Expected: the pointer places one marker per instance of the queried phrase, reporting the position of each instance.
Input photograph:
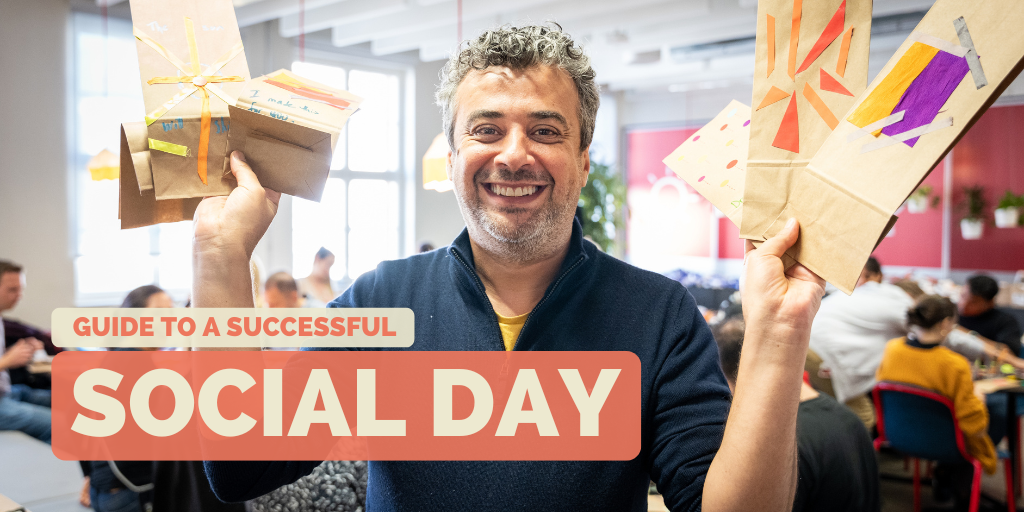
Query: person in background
(837, 466)
(281, 291)
(849, 335)
(919, 359)
(978, 313)
(426, 247)
(316, 288)
(21, 407)
(124, 486)
(11, 288)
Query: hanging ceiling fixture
(105, 165)
(435, 164)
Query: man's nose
(515, 152)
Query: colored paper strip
(771, 44)
(883, 98)
(168, 147)
(829, 83)
(875, 126)
(820, 106)
(311, 94)
(788, 136)
(972, 55)
(831, 32)
(936, 42)
(774, 95)
(844, 53)
(928, 93)
(912, 134)
(794, 37)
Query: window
(110, 262)
(359, 217)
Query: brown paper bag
(927, 96)
(138, 206)
(192, 67)
(799, 95)
(287, 127)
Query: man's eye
(487, 130)
(546, 132)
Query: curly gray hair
(519, 48)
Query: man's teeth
(513, 192)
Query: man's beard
(519, 239)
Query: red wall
(991, 154)
(916, 239)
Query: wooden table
(1012, 388)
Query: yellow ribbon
(199, 81)
(168, 147)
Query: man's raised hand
(236, 222)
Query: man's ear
(586, 167)
(448, 165)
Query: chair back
(919, 422)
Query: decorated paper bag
(287, 127)
(714, 160)
(192, 67)
(811, 60)
(957, 61)
(138, 206)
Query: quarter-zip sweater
(596, 302)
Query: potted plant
(972, 225)
(919, 201)
(1008, 210)
(601, 201)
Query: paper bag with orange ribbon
(192, 67)
(287, 126)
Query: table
(1012, 388)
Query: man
(518, 106)
(838, 470)
(978, 313)
(281, 291)
(21, 408)
(849, 335)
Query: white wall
(34, 199)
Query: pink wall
(916, 239)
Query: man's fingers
(783, 240)
(242, 172)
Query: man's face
(517, 165)
(970, 304)
(11, 284)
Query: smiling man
(518, 106)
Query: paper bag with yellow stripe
(192, 67)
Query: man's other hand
(235, 222)
(17, 355)
(776, 299)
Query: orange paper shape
(788, 136)
(794, 37)
(829, 83)
(774, 95)
(820, 106)
(771, 44)
(884, 97)
(844, 53)
(831, 32)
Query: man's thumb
(783, 240)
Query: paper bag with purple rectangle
(287, 126)
(811, 60)
(138, 205)
(957, 61)
(192, 67)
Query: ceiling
(634, 44)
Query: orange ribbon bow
(199, 81)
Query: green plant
(925, 192)
(974, 203)
(602, 202)
(1011, 200)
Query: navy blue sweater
(595, 303)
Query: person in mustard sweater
(919, 360)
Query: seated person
(12, 284)
(978, 313)
(21, 408)
(281, 291)
(838, 469)
(316, 288)
(919, 359)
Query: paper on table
(713, 160)
(287, 126)
(845, 197)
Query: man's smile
(514, 193)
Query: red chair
(922, 424)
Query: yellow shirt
(947, 373)
(510, 328)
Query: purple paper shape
(928, 93)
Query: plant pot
(917, 204)
(1007, 217)
(971, 229)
